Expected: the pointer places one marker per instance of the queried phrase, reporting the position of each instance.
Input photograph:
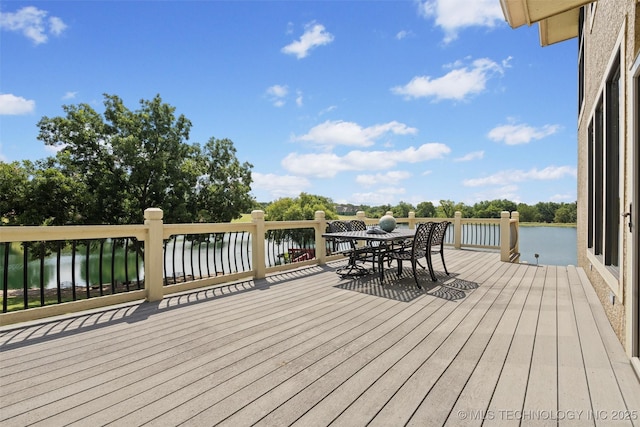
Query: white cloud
(382, 196)
(277, 94)
(513, 134)
(327, 165)
(314, 36)
(299, 99)
(32, 23)
(563, 198)
(510, 176)
(457, 84)
(70, 95)
(327, 110)
(403, 34)
(279, 185)
(331, 133)
(454, 15)
(389, 178)
(508, 192)
(470, 156)
(15, 105)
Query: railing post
(457, 230)
(505, 238)
(412, 219)
(516, 217)
(257, 245)
(154, 254)
(321, 247)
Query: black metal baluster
(165, 242)
(200, 255)
(223, 235)
(208, 241)
(193, 272)
(184, 268)
(100, 281)
(73, 270)
(137, 246)
(58, 284)
(113, 265)
(249, 241)
(25, 287)
(235, 245)
(5, 276)
(86, 269)
(215, 252)
(267, 259)
(242, 246)
(126, 263)
(173, 262)
(42, 252)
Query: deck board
(491, 343)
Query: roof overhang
(558, 19)
(559, 28)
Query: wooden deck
(501, 344)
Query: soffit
(521, 12)
(557, 19)
(559, 28)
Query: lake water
(554, 245)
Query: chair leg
(443, 264)
(415, 273)
(430, 265)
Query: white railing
(463, 233)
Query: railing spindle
(86, 267)
(5, 276)
(58, 281)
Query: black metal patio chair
(348, 247)
(436, 245)
(419, 249)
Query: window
(581, 58)
(603, 185)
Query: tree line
(305, 205)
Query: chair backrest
(358, 225)
(339, 226)
(438, 232)
(421, 238)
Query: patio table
(383, 238)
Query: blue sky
(365, 102)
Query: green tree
(567, 213)
(52, 199)
(528, 213)
(14, 181)
(225, 183)
(402, 209)
(425, 210)
(492, 208)
(547, 211)
(302, 207)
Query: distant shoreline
(548, 224)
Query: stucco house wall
(610, 26)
